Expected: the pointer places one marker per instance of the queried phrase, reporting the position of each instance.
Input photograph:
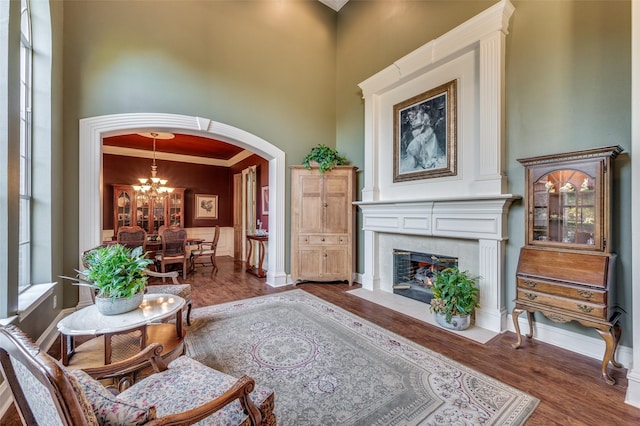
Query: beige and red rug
(330, 367)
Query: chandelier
(153, 188)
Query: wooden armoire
(322, 222)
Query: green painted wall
(568, 87)
(267, 67)
(288, 72)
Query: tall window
(26, 56)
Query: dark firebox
(413, 273)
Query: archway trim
(93, 129)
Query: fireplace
(414, 272)
(464, 215)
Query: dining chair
(181, 392)
(131, 236)
(174, 240)
(206, 250)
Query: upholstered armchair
(183, 392)
(206, 250)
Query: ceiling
(181, 144)
(335, 4)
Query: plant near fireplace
(455, 296)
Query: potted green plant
(326, 158)
(117, 274)
(455, 296)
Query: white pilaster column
(492, 313)
(371, 275)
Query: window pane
(26, 55)
(25, 212)
(24, 274)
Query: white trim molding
(633, 376)
(480, 219)
(473, 54)
(93, 129)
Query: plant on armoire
(325, 157)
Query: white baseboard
(582, 344)
(44, 341)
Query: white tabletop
(88, 321)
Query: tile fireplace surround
(464, 215)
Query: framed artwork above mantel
(424, 134)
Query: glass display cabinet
(567, 206)
(566, 269)
(123, 204)
(150, 215)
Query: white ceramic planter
(458, 322)
(111, 306)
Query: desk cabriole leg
(609, 340)
(515, 314)
(530, 321)
(617, 331)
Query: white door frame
(93, 129)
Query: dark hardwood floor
(568, 385)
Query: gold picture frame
(424, 134)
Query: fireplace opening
(414, 273)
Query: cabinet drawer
(318, 240)
(578, 306)
(573, 292)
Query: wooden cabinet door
(337, 203)
(310, 204)
(335, 259)
(175, 208)
(326, 263)
(123, 206)
(310, 262)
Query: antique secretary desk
(566, 268)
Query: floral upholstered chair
(183, 392)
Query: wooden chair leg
(189, 313)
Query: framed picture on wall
(424, 135)
(206, 206)
(265, 200)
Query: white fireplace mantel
(481, 219)
(473, 55)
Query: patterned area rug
(330, 367)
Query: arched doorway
(93, 129)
